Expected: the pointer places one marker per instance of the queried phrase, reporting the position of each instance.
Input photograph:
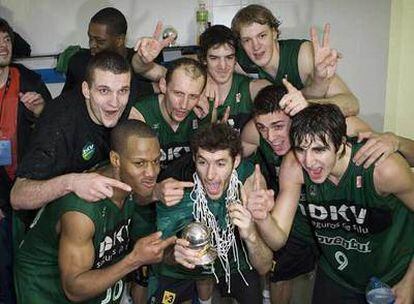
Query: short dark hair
(124, 129)
(319, 121)
(6, 28)
(254, 13)
(106, 61)
(217, 35)
(267, 100)
(113, 19)
(215, 137)
(193, 68)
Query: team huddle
(257, 139)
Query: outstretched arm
(34, 194)
(275, 222)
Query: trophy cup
(170, 32)
(199, 236)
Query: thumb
(289, 87)
(153, 237)
(167, 242)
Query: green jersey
(288, 64)
(37, 275)
(360, 233)
(173, 143)
(239, 101)
(172, 220)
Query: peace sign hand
(325, 58)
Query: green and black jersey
(288, 64)
(174, 144)
(172, 220)
(360, 233)
(37, 275)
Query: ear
(85, 90)
(114, 158)
(163, 85)
(237, 161)
(120, 41)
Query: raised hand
(325, 58)
(150, 249)
(148, 48)
(94, 187)
(170, 191)
(259, 201)
(33, 101)
(293, 101)
(376, 149)
(241, 217)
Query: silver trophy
(170, 32)
(199, 237)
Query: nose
(309, 159)
(255, 44)
(271, 135)
(184, 103)
(151, 170)
(222, 63)
(210, 172)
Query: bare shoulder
(256, 85)
(354, 125)
(250, 133)
(76, 226)
(393, 175)
(305, 61)
(135, 114)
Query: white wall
(360, 30)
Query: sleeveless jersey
(270, 167)
(172, 220)
(239, 101)
(37, 269)
(360, 233)
(173, 143)
(288, 63)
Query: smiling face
(221, 60)
(140, 164)
(182, 93)
(259, 43)
(274, 128)
(107, 96)
(5, 49)
(100, 40)
(214, 170)
(317, 158)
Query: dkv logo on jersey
(88, 151)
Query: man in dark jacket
(22, 99)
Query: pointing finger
(117, 184)
(257, 174)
